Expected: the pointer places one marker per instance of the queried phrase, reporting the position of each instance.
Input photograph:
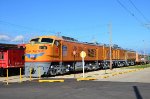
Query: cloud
(18, 38)
(4, 38)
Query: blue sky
(85, 20)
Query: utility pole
(144, 53)
(110, 45)
(58, 34)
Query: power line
(24, 27)
(146, 19)
(131, 13)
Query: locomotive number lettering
(91, 52)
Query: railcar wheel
(132, 64)
(53, 72)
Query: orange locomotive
(52, 55)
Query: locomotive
(52, 55)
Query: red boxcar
(11, 57)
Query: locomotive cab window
(56, 43)
(47, 40)
(34, 40)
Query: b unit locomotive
(52, 55)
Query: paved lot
(72, 89)
(117, 74)
(142, 76)
(130, 85)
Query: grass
(138, 66)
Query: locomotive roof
(74, 40)
(53, 37)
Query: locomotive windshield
(42, 40)
(47, 40)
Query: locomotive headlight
(68, 65)
(32, 43)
